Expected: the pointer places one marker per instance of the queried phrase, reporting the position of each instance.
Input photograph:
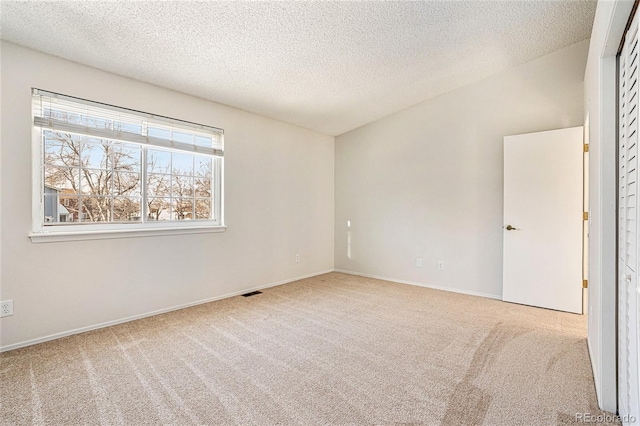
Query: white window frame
(89, 231)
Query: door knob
(511, 228)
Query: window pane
(203, 141)
(51, 208)
(96, 209)
(61, 179)
(70, 208)
(97, 122)
(96, 154)
(159, 208)
(203, 208)
(156, 132)
(182, 137)
(96, 182)
(126, 156)
(126, 209)
(62, 115)
(126, 183)
(182, 209)
(203, 165)
(61, 149)
(182, 164)
(158, 185)
(158, 161)
(182, 186)
(129, 127)
(203, 187)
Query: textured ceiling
(325, 66)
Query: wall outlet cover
(6, 308)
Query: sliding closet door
(628, 295)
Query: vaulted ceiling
(325, 66)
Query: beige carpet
(333, 349)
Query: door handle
(510, 228)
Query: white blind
(79, 116)
(628, 210)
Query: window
(104, 169)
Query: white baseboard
(435, 287)
(149, 314)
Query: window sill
(51, 237)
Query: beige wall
(427, 181)
(424, 182)
(279, 183)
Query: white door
(542, 260)
(628, 304)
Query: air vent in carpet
(253, 293)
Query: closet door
(628, 294)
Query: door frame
(600, 104)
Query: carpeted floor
(330, 350)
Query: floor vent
(253, 293)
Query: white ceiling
(325, 66)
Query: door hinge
(585, 283)
(585, 147)
(585, 215)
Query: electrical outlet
(6, 308)
(440, 265)
(297, 258)
(418, 262)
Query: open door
(543, 219)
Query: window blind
(628, 218)
(79, 116)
